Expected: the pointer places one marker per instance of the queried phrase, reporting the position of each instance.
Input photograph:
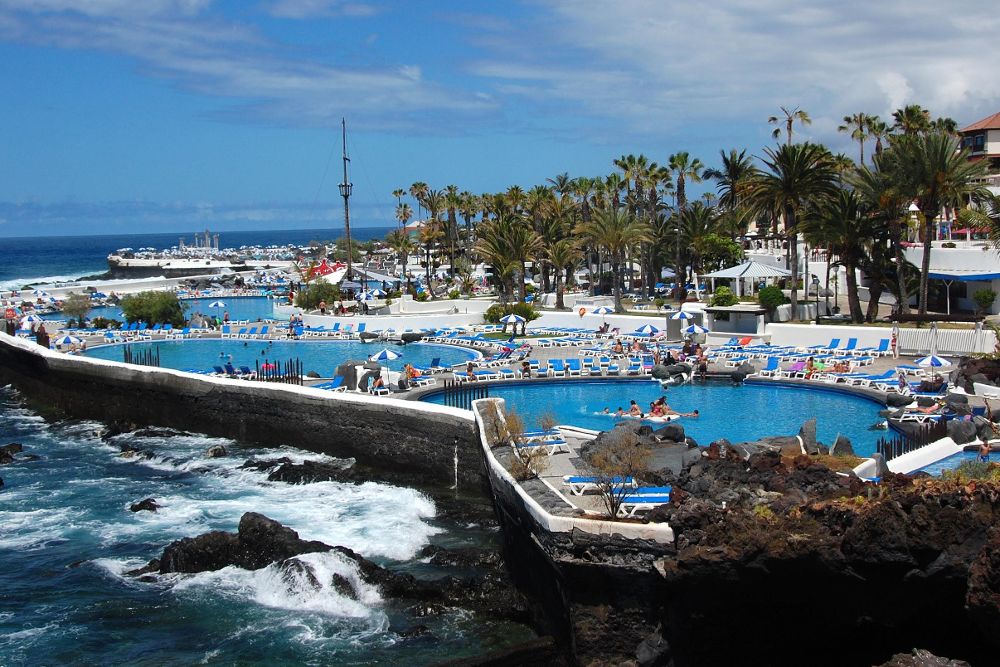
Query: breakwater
(417, 444)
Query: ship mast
(345, 191)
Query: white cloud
(181, 41)
(653, 66)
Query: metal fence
(286, 372)
(462, 394)
(922, 436)
(946, 341)
(150, 357)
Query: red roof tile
(988, 123)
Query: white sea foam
(307, 587)
(33, 529)
(46, 281)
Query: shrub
(321, 290)
(153, 307)
(496, 311)
(659, 302)
(454, 294)
(619, 455)
(771, 297)
(105, 323)
(984, 299)
(724, 297)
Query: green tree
(858, 126)
(310, 297)
(615, 230)
(839, 225)
(153, 307)
(932, 169)
(76, 305)
(911, 120)
(563, 255)
(685, 169)
(789, 117)
(723, 296)
(718, 252)
(798, 176)
(770, 298)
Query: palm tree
(696, 223)
(403, 214)
(430, 234)
(562, 184)
(911, 119)
(468, 205)
(685, 169)
(452, 203)
(401, 244)
(798, 176)
(733, 180)
(790, 116)
(399, 193)
(838, 224)
(885, 202)
(563, 255)
(945, 125)
(879, 131)
(615, 231)
(935, 172)
(418, 191)
(858, 126)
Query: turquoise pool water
(953, 462)
(251, 308)
(320, 356)
(739, 413)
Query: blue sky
(170, 115)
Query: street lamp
(677, 265)
(345, 192)
(815, 282)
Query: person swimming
(633, 409)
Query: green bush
(76, 305)
(153, 307)
(496, 311)
(454, 294)
(724, 297)
(659, 302)
(105, 323)
(984, 298)
(310, 297)
(771, 297)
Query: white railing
(946, 341)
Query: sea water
(41, 260)
(67, 537)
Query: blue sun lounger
(581, 484)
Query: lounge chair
(581, 484)
(632, 505)
(550, 447)
(848, 348)
(773, 366)
(573, 367)
(247, 373)
(792, 371)
(834, 344)
(881, 349)
(336, 384)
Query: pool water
(253, 308)
(951, 462)
(737, 413)
(320, 356)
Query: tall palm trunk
(895, 238)
(616, 267)
(430, 289)
(925, 263)
(524, 279)
(793, 259)
(560, 305)
(853, 300)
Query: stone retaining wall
(406, 441)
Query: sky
(172, 115)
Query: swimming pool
(251, 308)
(320, 356)
(737, 413)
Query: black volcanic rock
(285, 470)
(259, 542)
(147, 505)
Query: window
(979, 141)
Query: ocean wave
(43, 281)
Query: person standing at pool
(984, 451)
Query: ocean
(68, 537)
(58, 258)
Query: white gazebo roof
(750, 269)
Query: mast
(345, 191)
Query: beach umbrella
(377, 292)
(28, 320)
(68, 340)
(647, 329)
(384, 356)
(696, 329)
(40, 293)
(932, 361)
(513, 318)
(602, 310)
(217, 304)
(681, 315)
